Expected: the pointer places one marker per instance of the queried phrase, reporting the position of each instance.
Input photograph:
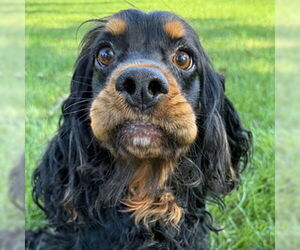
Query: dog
(145, 138)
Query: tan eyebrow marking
(116, 26)
(174, 29)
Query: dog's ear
(57, 176)
(239, 138)
(225, 145)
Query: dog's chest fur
(119, 232)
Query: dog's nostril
(155, 88)
(129, 86)
(142, 87)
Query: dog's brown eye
(182, 60)
(106, 56)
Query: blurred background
(12, 115)
(287, 125)
(239, 38)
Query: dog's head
(146, 85)
(145, 90)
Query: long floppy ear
(239, 139)
(224, 144)
(73, 145)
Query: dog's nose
(142, 87)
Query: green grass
(239, 37)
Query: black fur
(75, 164)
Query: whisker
(85, 77)
(76, 103)
(76, 111)
(81, 83)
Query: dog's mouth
(140, 139)
(140, 133)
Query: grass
(239, 37)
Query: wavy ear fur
(73, 145)
(225, 144)
(239, 139)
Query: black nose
(142, 87)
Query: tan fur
(174, 115)
(141, 202)
(174, 29)
(116, 26)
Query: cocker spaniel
(146, 137)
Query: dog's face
(146, 85)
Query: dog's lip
(141, 133)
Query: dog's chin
(141, 140)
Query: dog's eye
(106, 56)
(182, 60)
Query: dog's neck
(149, 194)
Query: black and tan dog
(146, 137)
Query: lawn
(238, 36)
